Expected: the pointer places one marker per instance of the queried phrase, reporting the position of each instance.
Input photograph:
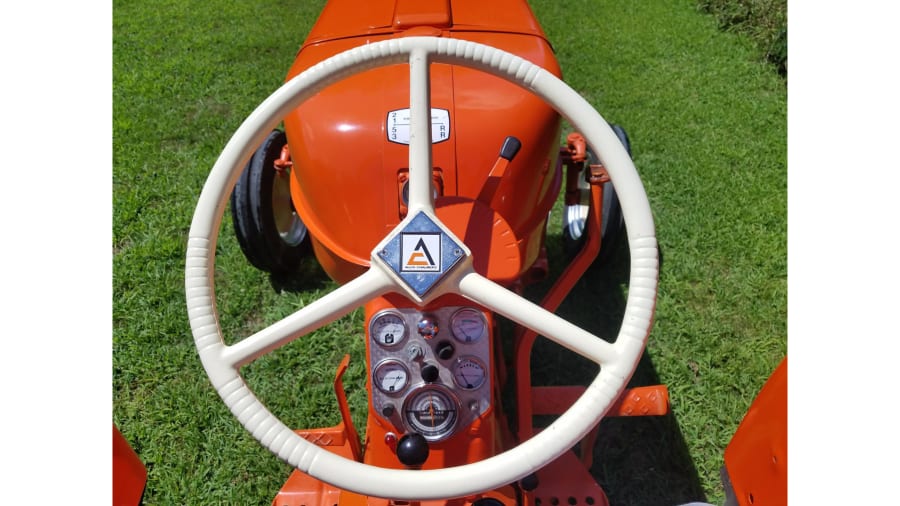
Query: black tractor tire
(271, 234)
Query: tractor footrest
(301, 489)
(639, 401)
(566, 482)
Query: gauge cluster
(430, 371)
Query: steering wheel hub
(421, 253)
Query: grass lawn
(707, 122)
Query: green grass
(707, 122)
(764, 21)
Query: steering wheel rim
(617, 360)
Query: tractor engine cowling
(349, 146)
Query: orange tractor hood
(350, 154)
(350, 18)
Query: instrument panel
(430, 371)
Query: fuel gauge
(388, 329)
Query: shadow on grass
(645, 460)
(637, 460)
(309, 275)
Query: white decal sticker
(398, 126)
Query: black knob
(510, 148)
(412, 450)
(529, 482)
(430, 373)
(387, 411)
(445, 350)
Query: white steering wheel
(617, 360)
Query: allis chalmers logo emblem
(420, 252)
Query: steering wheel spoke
(313, 316)
(493, 296)
(420, 194)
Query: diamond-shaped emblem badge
(421, 253)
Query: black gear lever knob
(412, 450)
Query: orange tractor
(419, 161)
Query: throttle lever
(509, 150)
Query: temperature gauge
(469, 373)
(388, 329)
(391, 377)
(432, 411)
(468, 325)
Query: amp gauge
(468, 325)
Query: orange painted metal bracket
(284, 162)
(524, 340)
(598, 174)
(577, 147)
(344, 407)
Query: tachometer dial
(432, 411)
(388, 329)
(468, 325)
(469, 373)
(391, 377)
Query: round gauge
(388, 329)
(391, 377)
(468, 325)
(469, 373)
(432, 411)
